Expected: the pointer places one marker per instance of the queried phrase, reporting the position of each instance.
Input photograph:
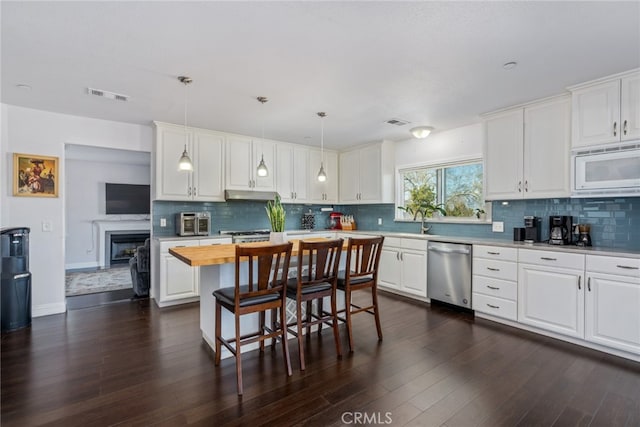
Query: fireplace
(106, 229)
(122, 246)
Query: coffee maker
(532, 229)
(584, 239)
(560, 229)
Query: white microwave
(606, 171)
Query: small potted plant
(276, 214)
(481, 214)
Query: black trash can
(15, 279)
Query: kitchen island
(217, 270)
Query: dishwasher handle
(450, 251)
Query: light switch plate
(163, 222)
(46, 226)
(497, 227)
(379, 221)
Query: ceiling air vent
(397, 122)
(107, 94)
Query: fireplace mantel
(115, 227)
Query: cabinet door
(390, 270)
(613, 311)
(284, 172)
(238, 170)
(503, 156)
(177, 279)
(267, 149)
(331, 184)
(369, 175)
(171, 184)
(414, 272)
(301, 174)
(350, 176)
(596, 110)
(208, 167)
(552, 299)
(630, 108)
(547, 143)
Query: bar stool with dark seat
(316, 279)
(361, 273)
(263, 291)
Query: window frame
(440, 165)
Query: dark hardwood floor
(133, 364)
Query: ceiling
(430, 63)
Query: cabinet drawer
(165, 245)
(218, 241)
(504, 270)
(495, 287)
(416, 244)
(392, 241)
(495, 252)
(495, 306)
(551, 258)
(614, 265)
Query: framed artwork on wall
(35, 175)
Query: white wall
(87, 170)
(455, 144)
(31, 131)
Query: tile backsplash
(614, 221)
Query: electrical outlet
(163, 222)
(379, 221)
(46, 226)
(497, 226)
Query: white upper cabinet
(367, 174)
(292, 172)
(323, 192)
(527, 151)
(607, 111)
(205, 148)
(242, 157)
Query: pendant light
(262, 170)
(322, 176)
(185, 163)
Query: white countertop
(594, 250)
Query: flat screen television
(127, 199)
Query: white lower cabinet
(551, 291)
(495, 274)
(613, 302)
(403, 266)
(173, 281)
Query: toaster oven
(193, 223)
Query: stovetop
(244, 233)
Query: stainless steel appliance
(449, 273)
(532, 229)
(560, 229)
(247, 236)
(193, 223)
(614, 170)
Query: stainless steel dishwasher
(449, 273)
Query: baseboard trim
(80, 265)
(48, 309)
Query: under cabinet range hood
(250, 195)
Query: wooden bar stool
(264, 290)
(316, 279)
(361, 273)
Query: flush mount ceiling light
(262, 168)
(322, 176)
(509, 65)
(185, 164)
(421, 132)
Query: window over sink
(432, 190)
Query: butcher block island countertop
(197, 256)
